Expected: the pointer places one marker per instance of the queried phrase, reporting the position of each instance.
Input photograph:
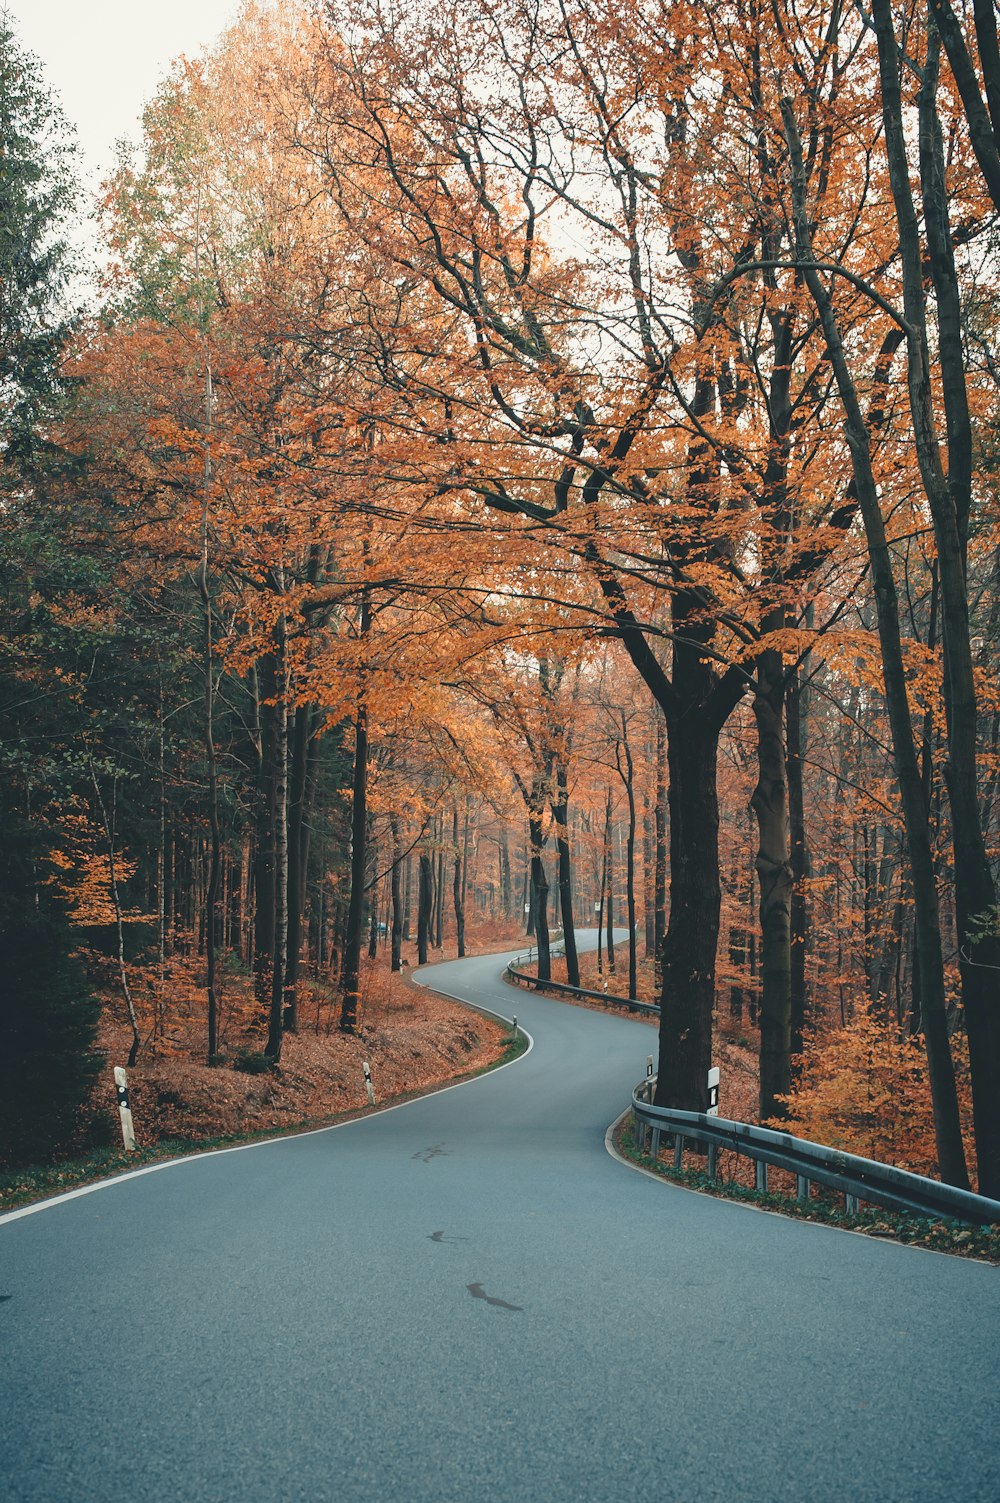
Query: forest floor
(412, 1040)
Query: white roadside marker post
(713, 1111)
(368, 1083)
(124, 1110)
(713, 1092)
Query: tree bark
(796, 730)
(560, 815)
(951, 1154)
(774, 872)
(456, 885)
(396, 896)
(425, 901)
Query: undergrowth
(939, 1235)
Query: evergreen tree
(37, 191)
(48, 1018)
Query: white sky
(103, 59)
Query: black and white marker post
(124, 1110)
(368, 1083)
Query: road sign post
(124, 1109)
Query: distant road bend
(467, 1299)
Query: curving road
(467, 1299)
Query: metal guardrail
(857, 1178)
(525, 978)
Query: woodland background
(532, 464)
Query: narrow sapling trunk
(609, 897)
(396, 897)
(353, 938)
(425, 901)
(276, 1024)
(456, 885)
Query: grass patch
(939, 1235)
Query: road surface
(466, 1298)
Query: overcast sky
(105, 58)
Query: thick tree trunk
(660, 814)
(688, 994)
(774, 872)
(540, 898)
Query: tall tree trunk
(947, 1126)
(263, 869)
(976, 911)
(396, 897)
(796, 729)
(506, 886)
(660, 815)
(408, 897)
(439, 896)
(774, 871)
(301, 791)
(540, 898)
(628, 779)
(609, 880)
(212, 899)
(279, 960)
(456, 885)
(560, 815)
(688, 993)
(425, 902)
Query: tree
(37, 193)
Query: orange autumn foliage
(864, 1088)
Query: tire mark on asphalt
(477, 1291)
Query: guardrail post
(760, 1176)
(678, 1151)
(713, 1159)
(802, 1187)
(654, 1143)
(851, 1205)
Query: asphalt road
(467, 1299)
